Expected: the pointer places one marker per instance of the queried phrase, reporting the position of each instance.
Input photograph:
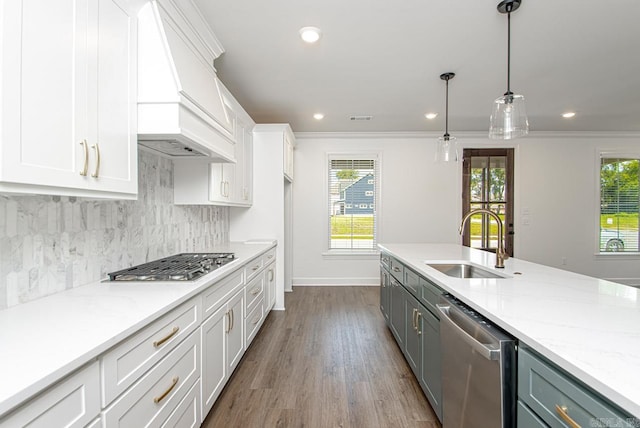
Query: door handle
(481, 348)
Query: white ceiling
(384, 58)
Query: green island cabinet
(408, 304)
(550, 397)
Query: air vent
(361, 117)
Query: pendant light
(509, 118)
(446, 148)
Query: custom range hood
(181, 104)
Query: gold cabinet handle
(228, 315)
(413, 319)
(255, 291)
(255, 268)
(160, 397)
(255, 320)
(222, 188)
(270, 256)
(83, 143)
(272, 275)
(227, 186)
(174, 330)
(396, 269)
(233, 320)
(563, 413)
(418, 315)
(97, 170)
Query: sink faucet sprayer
(501, 254)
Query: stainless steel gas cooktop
(181, 267)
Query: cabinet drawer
(74, 402)
(154, 397)
(269, 256)
(216, 295)
(253, 268)
(411, 281)
(528, 419)
(187, 414)
(385, 260)
(253, 321)
(124, 364)
(396, 269)
(548, 392)
(253, 292)
(430, 295)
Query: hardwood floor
(327, 361)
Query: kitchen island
(588, 327)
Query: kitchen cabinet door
(430, 377)
(68, 98)
(214, 358)
(398, 320)
(235, 331)
(385, 290)
(270, 286)
(413, 343)
(222, 182)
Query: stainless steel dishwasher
(478, 369)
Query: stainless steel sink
(463, 270)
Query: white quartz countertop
(44, 340)
(588, 326)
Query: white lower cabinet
(270, 286)
(151, 400)
(170, 372)
(222, 348)
(187, 414)
(73, 402)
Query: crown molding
(465, 135)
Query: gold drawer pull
(83, 143)
(270, 256)
(96, 172)
(255, 268)
(255, 291)
(271, 275)
(255, 320)
(160, 397)
(157, 343)
(563, 412)
(396, 269)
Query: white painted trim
(335, 282)
(463, 135)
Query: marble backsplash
(52, 243)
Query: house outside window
(619, 204)
(352, 201)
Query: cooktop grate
(180, 267)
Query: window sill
(623, 255)
(351, 255)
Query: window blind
(619, 204)
(352, 202)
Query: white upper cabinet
(199, 182)
(68, 94)
(180, 98)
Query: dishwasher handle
(483, 349)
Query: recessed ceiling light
(310, 34)
(318, 116)
(568, 114)
(431, 116)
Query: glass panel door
(488, 184)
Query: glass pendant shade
(509, 118)
(446, 149)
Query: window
(619, 207)
(352, 196)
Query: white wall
(555, 183)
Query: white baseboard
(335, 282)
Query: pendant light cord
(446, 114)
(509, 50)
